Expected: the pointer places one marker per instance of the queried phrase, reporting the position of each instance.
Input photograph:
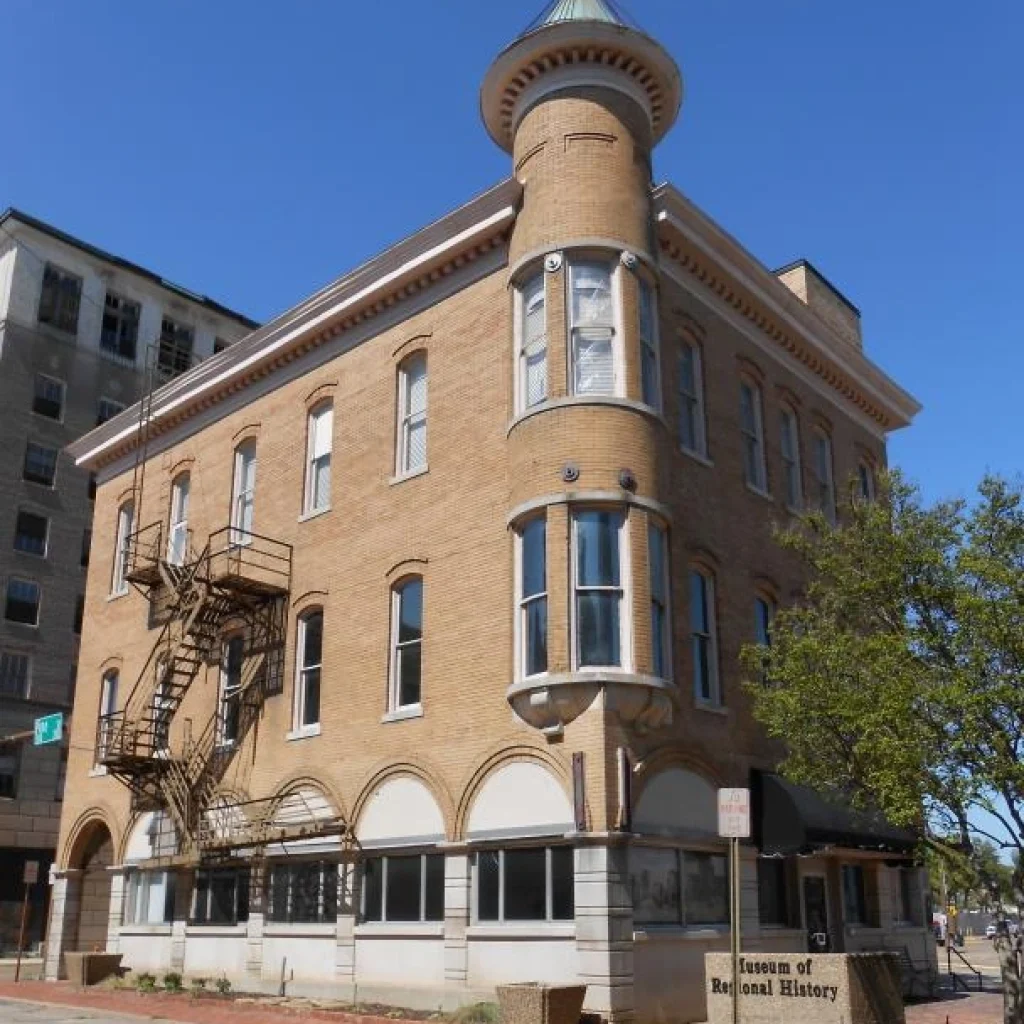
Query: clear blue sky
(256, 150)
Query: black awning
(797, 819)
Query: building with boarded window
(76, 325)
(412, 668)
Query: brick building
(413, 666)
(74, 327)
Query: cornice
(700, 250)
(412, 266)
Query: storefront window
(221, 896)
(304, 893)
(403, 888)
(681, 887)
(531, 884)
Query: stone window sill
(515, 931)
(217, 930)
(304, 732)
(400, 929)
(400, 478)
(402, 714)
(314, 513)
(690, 453)
(760, 492)
(715, 709)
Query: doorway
(815, 907)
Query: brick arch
(419, 770)
(84, 829)
(310, 599)
(497, 759)
(324, 391)
(414, 565)
(417, 343)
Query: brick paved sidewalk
(976, 1008)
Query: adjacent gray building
(77, 327)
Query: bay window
(533, 598)
(592, 328)
(532, 342)
(648, 318)
(404, 888)
(598, 584)
(525, 884)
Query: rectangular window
(764, 612)
(599, 587)
(525, 884)
(854, 901)
(107, 409)
(692, 437)
(22, 604)
(30, 533)
(13, 674)
(48, 398)
(310, 646)
(123, 547)
(592, 328)
(908, 896)
(149, 897)
(108, 709)
(825, 495)
(177, 535)
(318, 458)
(680, 887)
(174, 353)
(533, 342)
(705, 889)
(86, 548)
(40, 466)
(533, 598)
(772, 891)
(243, 500)
(704, 639)
(76, 624)
(790, 444)
(219, 344)
(412, 404)
(751, 428)
(865, 482)
(649, 378)
(406, 643)
(232, 662)
(60, 298)
(221, 896)
(10, 769)
(661, 643)
(305, 892)
(120, 332)
(403, 888)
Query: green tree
(898, 679)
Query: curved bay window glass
(592, 327)
(407, 643)
(533, 598)
(533, 342)
(599, 588)
(648, 303)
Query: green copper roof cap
(582, 10)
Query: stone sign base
(824, 988)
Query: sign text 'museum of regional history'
(755, 981)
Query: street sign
(734, 813)
(49, 729)
(31, 875)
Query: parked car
(990, 931)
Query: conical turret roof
(582, 10)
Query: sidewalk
(976, 1008)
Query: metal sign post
(30, 877)
(734, 825)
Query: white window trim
(710, 596)
(519, 626)
(828, 481)
(122, 549)
(402, 469)
(384, 858)
(109, 684)
(789, 416)
(701, 451)
(518, 338)
(222, 689)
(309, 506)
(241, 537)
(652, 344)
(624, 589)
(500, 921)
(618, 357)
(299, 700)
(757, 398)
(660, 528)
(181, 488)
(397, 711)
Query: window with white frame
(704, 638)
(678, 887)
(598, 623)
(10, 769)
(243, 497)
(221, 896)
(764, 612)
(406, 888)
(752, 430)
(303, 892)
(658, 565)
(177, 534)
(22, 602)
(120, 332)
(592, 328)
(108, 711)
(692, 435)
(14, 674)
(532, 341)
(789, 438)
(40, 465)
(230, 711)
(309, 644)
(533, 597)
(60, 299)
(318, 458)
(149, 897)
(525, 884)
(48, 398)
(412, 414)
(824, 485)
(122, 549)
(649, 362)
(865, 481)
(406, 643)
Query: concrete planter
(536, 1003)
(91, 968)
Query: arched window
(824, 486)
(752, 430)
(177, 534)
(764, 613)
(789, 441)
(532, 598)
(704, 638)
(319, 443)
(309, 661)
(692, 434)
(122, 549)
(412, 415)
(406, 644)
(865, 481)
(243, 493)
(532, 341)
(107, 713)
